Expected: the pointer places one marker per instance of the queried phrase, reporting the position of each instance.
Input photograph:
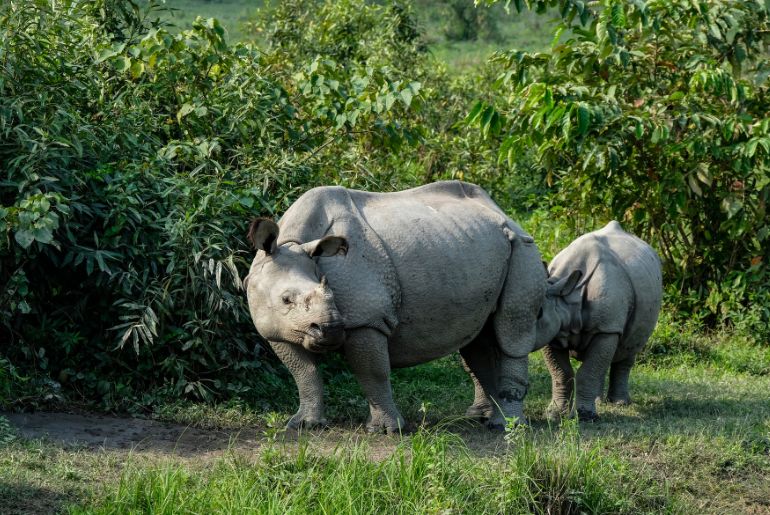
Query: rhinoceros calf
(394, 280)
(601, 306)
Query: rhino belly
(451, 260)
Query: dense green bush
(654, 113)
(132, 160)
(358, 35)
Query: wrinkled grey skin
(411, 276)
(602, 303)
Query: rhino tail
(513, 237)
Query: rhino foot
(555, 412)
(585, 415)
(302, 421)
(620, 400)
(382, 423)
(479, 411)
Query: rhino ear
(263, 234)
(326, 246)
(563, 287)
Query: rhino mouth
(324, 337)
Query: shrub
(133, 158)
(653, 113)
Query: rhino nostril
(316, 330)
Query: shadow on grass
(18, 498)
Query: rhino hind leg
(592, 373)
(619, 372)
(479, 361)
(481, 408)
(366, 350)
(562, 382)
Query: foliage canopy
(654, 113)
(132, 157)
(132, 160)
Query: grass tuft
(429, 472)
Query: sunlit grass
(426, 473)
(525, 31)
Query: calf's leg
(562, 381)
(591, 374)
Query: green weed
(426, 473)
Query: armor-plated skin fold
(602, 304)
(423, 272)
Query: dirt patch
(93, 431)
(137, 435)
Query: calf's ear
(326, 246)
(263, 234)
(563, 287)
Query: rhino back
(643, 267)
(451, 256)
(624, 286)
(425, 266)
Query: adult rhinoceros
(397, 279)
(601, 307)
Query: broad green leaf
(184, 111)
(24, 238)
(122, 63)
(406, 97)
(105, 54)
(390, 98)
(137, 69)
(704, 174)
(694, 186)
(657, 134)
(584, 118)
(474, 113)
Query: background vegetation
(136, 142)
(134, 152)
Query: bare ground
(70, 456)
(130, 434)
(105, 432)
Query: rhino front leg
(562, 381)
(366, 350)
(591, 374)
(619, 371)
(303, 367)
(515, 331)
(513, 383)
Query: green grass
(525, 31)
(426, 473)
(696, 439)
(233, 14)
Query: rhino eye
(540, 313)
